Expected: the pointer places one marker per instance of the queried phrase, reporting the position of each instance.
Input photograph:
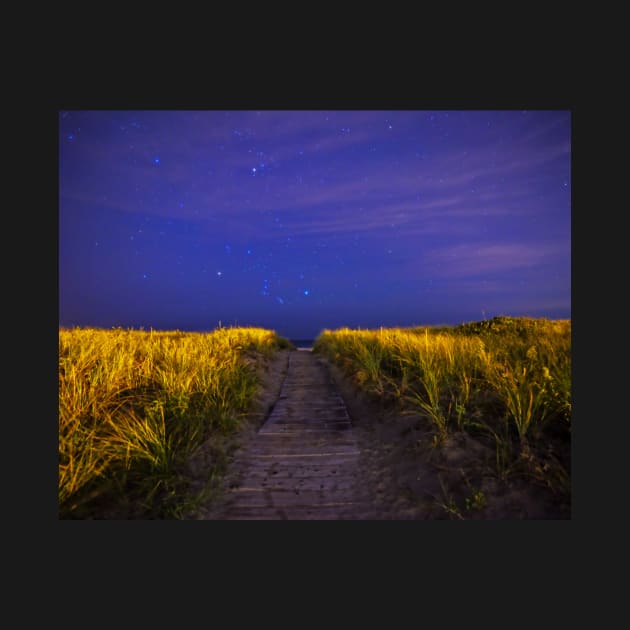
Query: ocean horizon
(302, 343)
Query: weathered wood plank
(302, 464)
(320, 513)
(312, 484)
(320, 474)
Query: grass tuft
(506, 381)
(135, 406)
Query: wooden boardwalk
(303, 462)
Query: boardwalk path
(303, 462)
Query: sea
(303, 344)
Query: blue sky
(303, 220)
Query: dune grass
(135, 406)
(505, 381)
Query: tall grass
(436, 372)
(508, 378)
(134, 407)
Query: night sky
(303, 220)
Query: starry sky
(302, 220)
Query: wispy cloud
(452, 191)
(476, 259)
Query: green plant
(447, 503)
(476, 501)
(428, 400)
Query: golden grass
(507, 377)
(135, 405)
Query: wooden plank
(302, 463)
(325, 431)
(256, 476)
(310, 513)
(251, 486)
(289, 456)
(297, 497)
(297, 444)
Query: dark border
(442, 551)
